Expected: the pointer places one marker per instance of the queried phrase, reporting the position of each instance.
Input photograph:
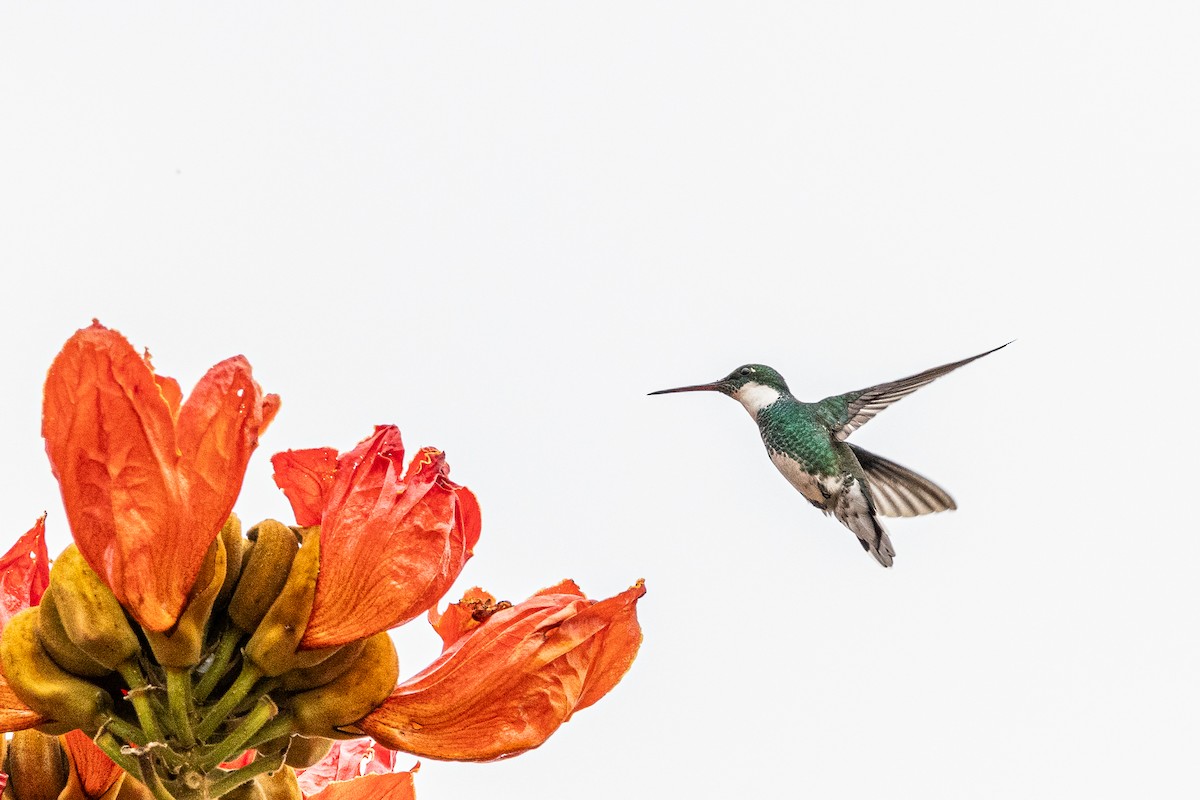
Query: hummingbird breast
(802, 449)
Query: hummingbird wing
(848, 412)
(898, 491)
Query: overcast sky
(499, 225)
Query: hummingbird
(807, 443)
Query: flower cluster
(170, 654)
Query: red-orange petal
(24, 572)
(146, 482)
(390, 548)
(508, 685)
(618, 637)
(218, 430)
(95, 772)
(111, 441)
(305, 476)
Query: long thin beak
(702, 387)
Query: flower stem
(229, 701)
(231, 780)
(150, 777)
(235, 742)
(125, 730)
(179, 705)
(138, 688)
(281, 725)
(112, 748)
(220, 663)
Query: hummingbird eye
(746, 370)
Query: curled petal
(506, 686)
(460, 618)
(147, 482)
(390, 546)
(24, 572)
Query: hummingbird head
(755, 386)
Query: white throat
(755, 396)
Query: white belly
(805, 482)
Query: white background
(499, 225)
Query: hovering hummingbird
(807, 443)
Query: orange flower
(147, 480)
(503, 686)
(390, 547)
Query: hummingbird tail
(881, 548)
(855, 510)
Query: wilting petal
(390, 547)
(147, 483)
(460, 618)
(507, 685)
(24, 572)
(15, 715)
(397, 786)
(344, 761)
(92, 772)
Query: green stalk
(220, 663)
(179, 705)
(262, 689)
(280, 726)
(112, 748)
(235, 742)
(231, 780)
(125, 730)
(229, 701)
(150, 777)
(138, 689)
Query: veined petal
(92, 772)
(506, 686)
(390, 547)
(24, 572)
(145, 499)
(111, 442)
